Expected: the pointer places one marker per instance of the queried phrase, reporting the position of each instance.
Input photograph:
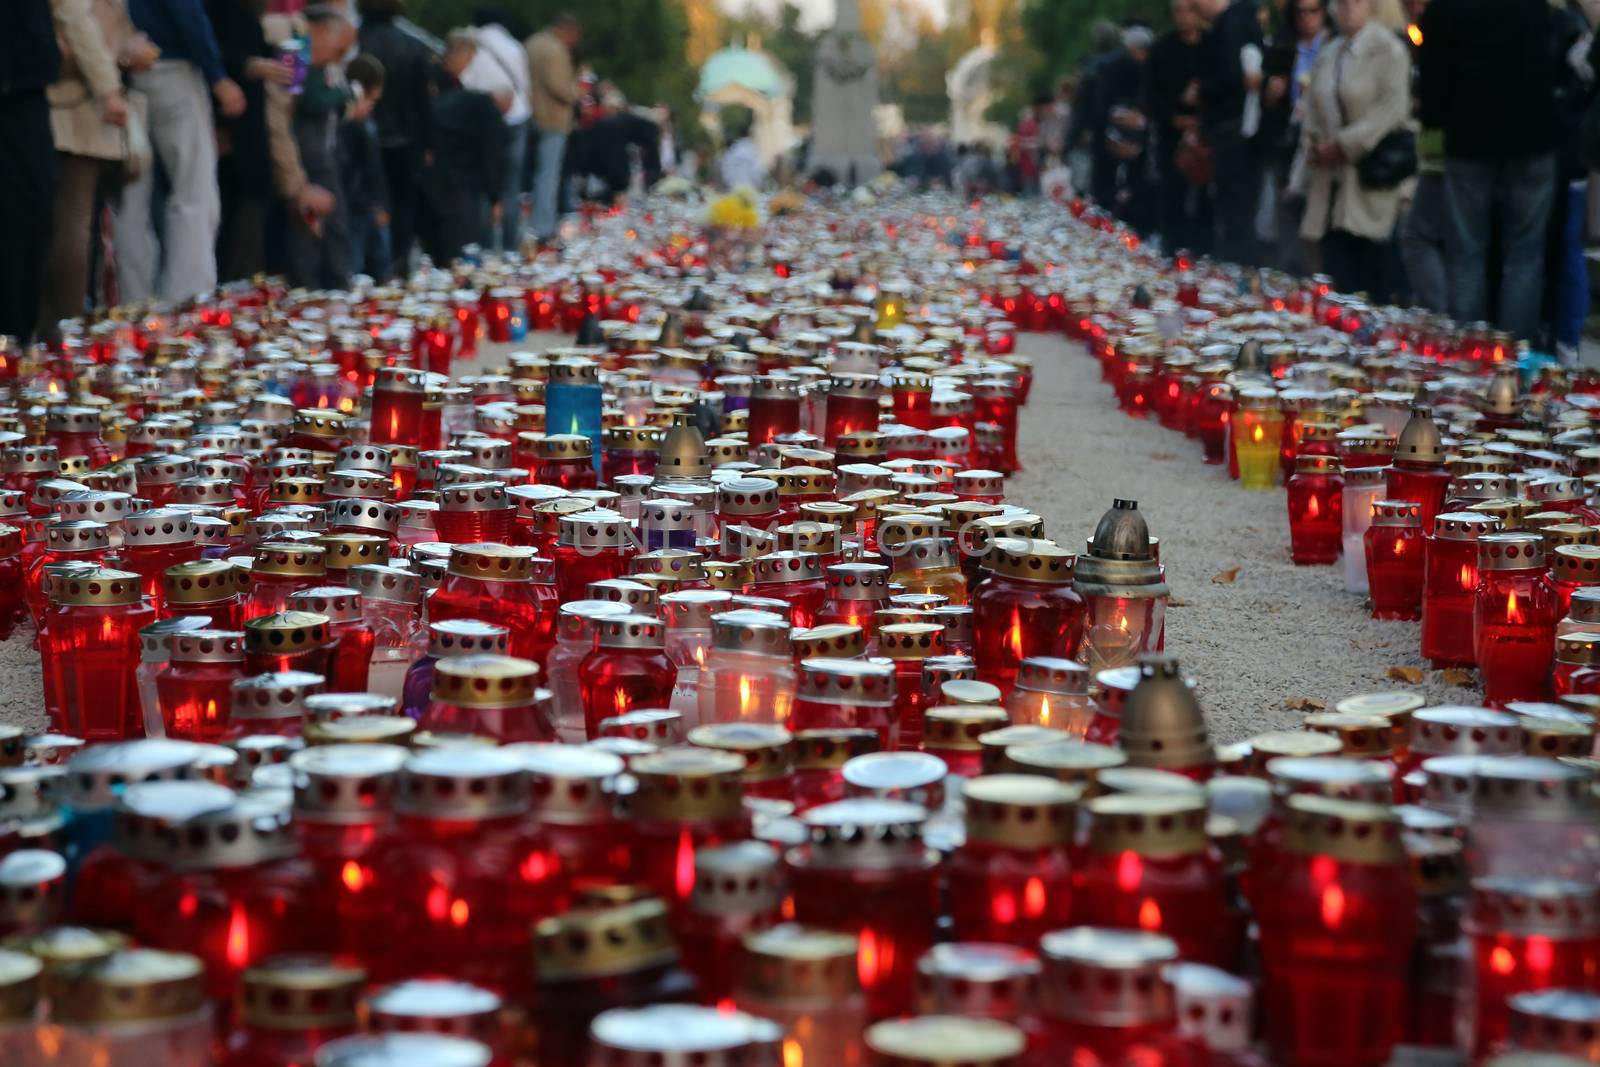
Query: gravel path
(1277, 631)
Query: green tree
(1042, 41)
(781, 37)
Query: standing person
(501, 65)
(1289, 59)
(29, 63)
(554, 94)
(179, 89)
(1566, 302)
(319, 243)
(1173, 101)
(245, 172)
(1359, 94)
(1230, 105)
(1425, 224)
(1488, 82)
(89, 120)
(401, 116)
(365, 193)
(465, 172)
(617, 137)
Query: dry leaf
(1177, 602)
(1305, 704)
(1404, 674)
(1226, 577)
(1362, 644)
(1457, 676)
(1163, 455)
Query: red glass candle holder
(351, 660)
(1151, 867)
(492, 583)
(912, 393)
(13, 605)
(847, 694)
(195, 689)
(90, 654)
(592, 547)
(1316, 525)
(1336, 935)
(1106, 999)
(1513, 618)
(460, 881)
(1573, 567)
(212, 588)
(1418, 473)
(687, 799)
(1011, 880)
(866, 872)
(1394, 546)
(630, 450)
(279, 570)
(272, 703)
(627, 670)
(774, 409)
(819, 759)
(475, 513)
(1525, 934)
(397, 398)
(738, 891)
(1026, 608)
(487, 696)
(567, 461)
(79, 541)
(1450, 582)
(852, 406)
(586, 842)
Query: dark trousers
(400, 169)
(1356, 264)
(1184, 212)
(242, 235)
(66, 270)
(27, 184)
(449, 217)
(1237, 178)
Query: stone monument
(844, 134)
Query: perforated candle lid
(946, 1041)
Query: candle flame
(1044, 710)
(1033, 898)
(619, 697)
(1130, 871)
(536, 868)
(460, 912)
(1468, 576)
(1014, 636)
(871, 958)
(1149, 915)
(353, 877)
(1314, 507)
(1539, 957)
(1501, 961)
(793, 1054)
(237, 950)
(683, 866)
(1257, 434)
(1332, 907)
(1003, 908)
(1414, 33)
(744, 696)
(1514, 613)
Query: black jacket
(408, 70)
(237, 25)
(1222, 77)
(1169, 70)
(29, 59)
(468, 143)
(1487, 78)
(608, 157)
(360, 169)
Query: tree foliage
(1042, 41)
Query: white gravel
(1277, 631)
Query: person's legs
(1572, 284)
(66, 268)
(511, 198)
(1528, 190)
(1469, 199)
(547, 183)
(26, 177)
(1237, 177)
(182, 135)
(1422, 236)
(132, 228)
(400, 170)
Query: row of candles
(708, 664)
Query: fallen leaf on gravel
(1457, 676)
(1163, 455)
(1227, 577)
(1404, 674)
(1363, 644)
(1177, 602)
(1305, 704)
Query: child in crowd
(365, 190)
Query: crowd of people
(155, 148)
(1424, 151)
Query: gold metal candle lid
(1510, 551)
(911, 641)
(1518, 907)
(1420, 441)
(1107, 977)
(1402, 513)
(1511, 511)
(836, 640)
(485, 681)
(766, 748)
(21, 981)
(99, 587)
(611, 941)
(1463, 525)
(491, 562)
(688, 784)
(571, 784)
(1553, 738)
(1020, 810)
(132, 985)
(1333, 776)
(958, 727)
(377, 582)
(1578, 564)
(1555, 1021)
(1269, 746)
(342, 551)
(1148, 824)
(1580, 649)
(945, 1041)
(1073, 762)
(296, 490)
(595, 529)
(1162, 723)
(1032, 560)
(1345, 830)
(741, 879)
(795, 963)
(1363, 736)
(831, 748)
(286, 632)
(300, 993)
(289, 560)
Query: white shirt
(741, 165)
(500, 66)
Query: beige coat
(1374, 98)
(554, 82)
(94, 35)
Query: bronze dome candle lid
(1120, 560)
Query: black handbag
(1391, 161)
